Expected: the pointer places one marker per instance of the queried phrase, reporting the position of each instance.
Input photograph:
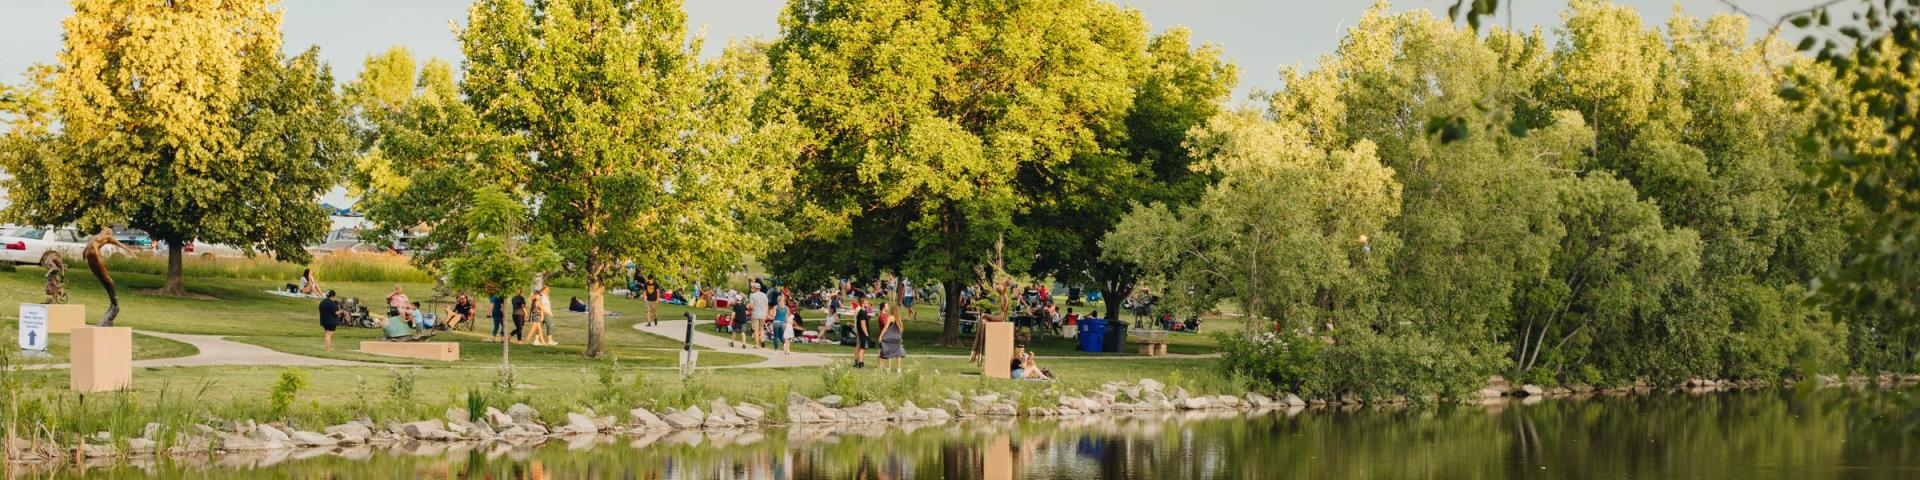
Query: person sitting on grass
(420, 320)
(575, 305)
(1024, 368)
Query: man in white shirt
(758, 304)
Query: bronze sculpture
(56, 278)
(99, 267)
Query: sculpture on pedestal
(99, 267)
(56, 278)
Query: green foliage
(336, 267)
(287, 390)
(400, 383)
(181, 120)
(1859, 91)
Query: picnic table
(1152, 342)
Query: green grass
(351, 267)
(58, 345)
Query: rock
(460, 428)
(750, 412)
(720, 407)
(352, 433)
(1226, 401)
(457, 415)
(695, 414)
(1195, 403)
(141, 446)
(522, 413)
(1532, 390)
(605, 422)
(498, 418)
(1153, 396)
(1180, 394)
(423, 430)
(97, 451)
(151, 432)
(579, 423)
(802, 415)
(311, 439)
(646, 419)
(1491, 393)
(266, 433)
(1150, 385)
(832, 401)
(1256, 400)
(938, 415)
(797, 399)
(953, 405)
(1292, 400)
(681, 421)
(237, 443)
(535, 429)
(1003, 410)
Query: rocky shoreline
(520, 424)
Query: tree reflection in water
(1751, 435)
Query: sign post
(33, 329)
(688, 357)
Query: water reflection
(1754, 435)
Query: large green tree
(630, 147)
(184, 120)
(921, 115)
(1177, 87)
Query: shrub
(292, 380)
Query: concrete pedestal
(102, 359)
(62, 318)
(997, 344)
(996, 462)
(442, 351)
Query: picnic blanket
(288, 294)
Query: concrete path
(677, 330)
(217, 350)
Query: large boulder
(349, 432)
(1151, 385)
(682, 421)
(695, 414)
(141, 446)
(266, 433)
(1532, 390)
(750, 412)
(311, 439)
(833, 401)
(646, 419)
(719, 407)
(457, 415)
(1292, 400)
(1195, 403)
(1003, 409)
(522, 413)
(424, 430)
(578, 423)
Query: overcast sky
(1259, 36)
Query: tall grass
(338, 267)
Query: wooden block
(61, 318)
(101, 358)
(998, 339)
(442, 351)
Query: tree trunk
(176, 251)
(1111, 297)
(596, 310)
(950, 331)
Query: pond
(1797, 434)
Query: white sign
(33, 326)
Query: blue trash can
(1092, 332)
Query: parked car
(135, 239)
(28, 245)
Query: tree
(920, 116)
(633, 149)
(1176, 89)
(183, 120)
(1282, 232)
(1860, 92)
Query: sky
(1259, 36)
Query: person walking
(738, 327)
(781, 327)
(906, 298)
(499, 317)
(544, 302)
(862, 333)
(652, 288)
(329, 317)
(758, 303)
(892, 339)
(519, 317)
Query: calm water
(1755, 435)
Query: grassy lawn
(243, 311)
(144, 347)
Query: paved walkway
(677, 330)
(217, 350)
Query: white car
(28, 245)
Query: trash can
(1114, 337)
(1090, 333)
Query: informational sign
(33, 326)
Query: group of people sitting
(532, 320)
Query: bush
(1362, 363)
(292, 380)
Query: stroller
(353, 314)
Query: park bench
(1152, 342)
